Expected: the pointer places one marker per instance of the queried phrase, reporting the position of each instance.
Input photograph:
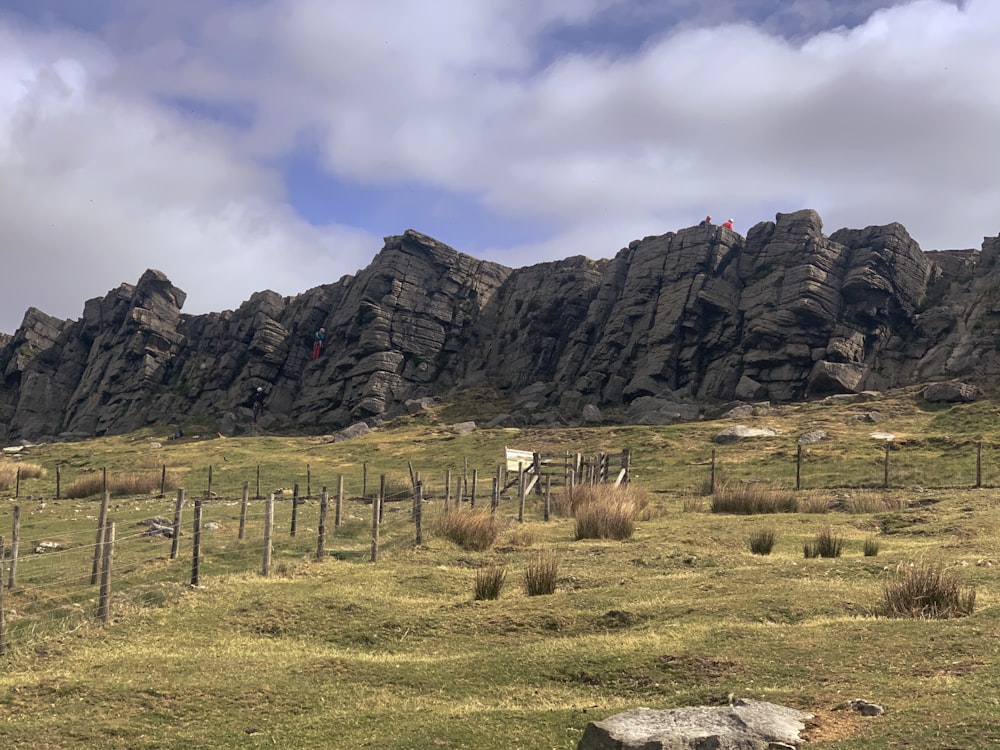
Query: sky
(243, 145)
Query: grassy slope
(341, 653)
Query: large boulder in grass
(950, 392)
(739, 432)
(745, 725)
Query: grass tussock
(753, 498)
(474, 529)
(608, 512)
(9, 472)
(489, 582)
(825, 544)
(814, 504)
(871, 547)
(870, 501)
(925, 591)
(762, 541)
(541, 573)
(123, 484)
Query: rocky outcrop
(669, 324)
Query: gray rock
(865, 708)
(739, 432)
(950, 392)
(745, 725)
(813, 436)
(686, 318)
(749, 389)
(464, 428)
(356, 430)
(591, 415)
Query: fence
(68, 562)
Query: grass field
(339, 652)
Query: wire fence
(56, 557)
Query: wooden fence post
(295, 510)
(447, 490)
(175, 540)
(418, 512)
(626, 466)
(107, 555)
(376, 509)
(208, 492)
(536, 464)
(3, 621)
(885, 479)
(258, 482)
(102, 517)
(104, 484)
(364, 480)
(798, 468)
(548, 498)
(572, 484)
(520, 493)
(321, 544)
(979, 465)
(196, 552)
(308, 482)
(265, 569)
(381, 497)
(243, 511)
(475, 486)
(495, 499)
(17, 483)
(338, 510)
(15, 544)
(163, 481)
(58, 482)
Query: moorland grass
(12, 471)
(342, 652)
(470, 528)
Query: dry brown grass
(752, 498)
(9, 471)
(470, 528)
(925, 591)
(489, 582)
(609, 512)
(541, 574)
(122, 483)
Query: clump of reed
(825, 544)
(925, 591)
(489, 582)
(474, 529)
(541, 573)
(752, 498)
(122, 484)
(762, 541)
(608, 512)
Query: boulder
(950, 392)
(464, 428)
(749, 389)
(739, 432)
(744, 725)
(356, 430)
(591, 415)
(812, 436)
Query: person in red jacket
(728, 223)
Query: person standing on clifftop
(706, 222)
(728, 223)
(318, 343)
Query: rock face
(746, 725)
(669, 324)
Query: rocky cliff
(669, 324)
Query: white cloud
(96, 188)
(891, 120)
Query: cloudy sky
(240, 145)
